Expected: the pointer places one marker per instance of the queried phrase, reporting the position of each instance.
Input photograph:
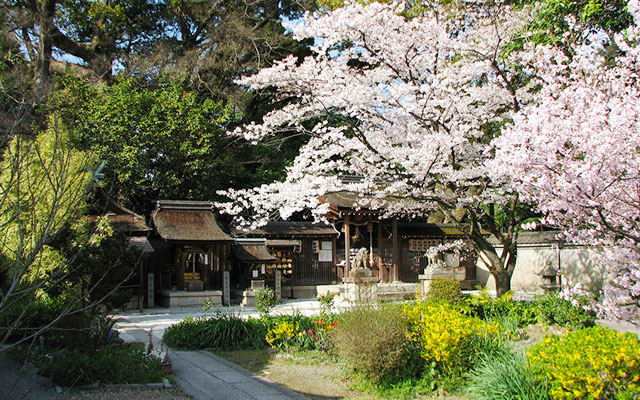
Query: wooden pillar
(396, 249)
(370, 230)
(205, 269)
(334, 256)
(381, 268)
(181, 257)
(141, 281)
(347, 247)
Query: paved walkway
(200, 373)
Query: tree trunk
(45, 46)
(503, 282)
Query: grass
(314, 374)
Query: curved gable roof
(185, 221)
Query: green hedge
(114, 364)
(224, 331)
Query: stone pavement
(199, 373)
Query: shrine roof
(187, 221)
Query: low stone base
(361, 288)
(248, 298)
(181, 298)
(456, 273)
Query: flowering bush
(592, 363)
(287, 334)
(445, 334)
(282, 334)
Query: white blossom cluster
(402, 102)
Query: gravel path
(128, 394)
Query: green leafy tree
(163, 142)
(43, 186)
(95, 33)
(213, 43)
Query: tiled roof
(186, 221)
(407, 230)
(289, 229)
(253, 253)
(122, 219)
(532, 238)
(142, 243)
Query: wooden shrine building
(191, 251)
(396, 250)
(305, 252)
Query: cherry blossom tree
(408, 104)
(575, 153)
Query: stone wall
(576, 263)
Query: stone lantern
(549, 278)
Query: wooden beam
(334, 256)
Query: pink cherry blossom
(575, 153)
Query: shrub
(114, 364)
(31, 314)
(589, 363)
(304, 321)
(301, 333)
(224, 331)
(373, 341)
(446, 336)
(265, 300)
(282, 334)
(505, 376)
(553, 310)
(518, 313)
(326, 301)
(446, 289)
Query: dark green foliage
(30, 315)
(224, 331)
(548, 309)
(505, 376)
(373, 341)
(522, 313)
(164, 142)
(100, 259)
(551, 23)
(553, 310)
(446, 289)
(265, 300)
(108, 364)
(157, 143)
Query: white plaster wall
(576, 263)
